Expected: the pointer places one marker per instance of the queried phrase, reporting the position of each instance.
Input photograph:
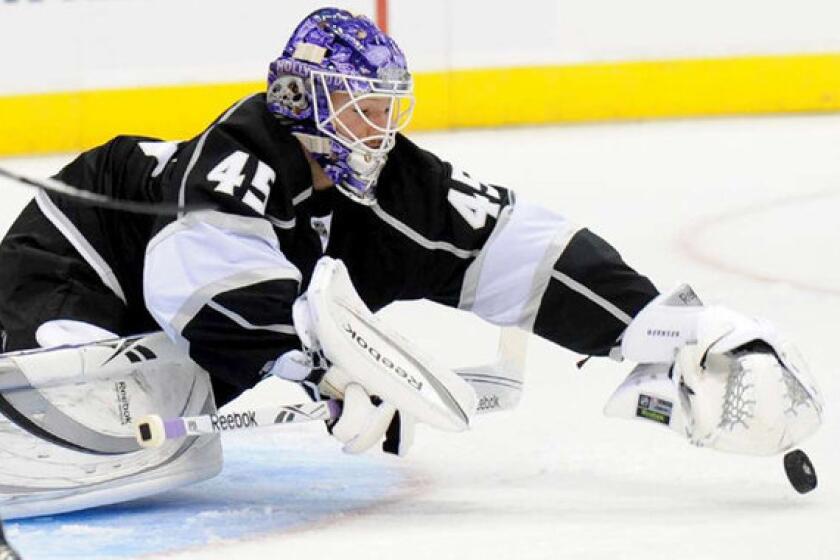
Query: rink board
(454, 99)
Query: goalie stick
(103, 201)
(153, 431)
(498, 386)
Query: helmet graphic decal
(346, 86)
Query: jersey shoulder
(246, 161)
(409, 163)
(438, 197)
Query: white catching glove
(744, 389)
(364, 420)
(721, 379)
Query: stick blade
(498, 385)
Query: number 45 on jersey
(229, 174)
(473, 200)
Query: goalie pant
(223, 281)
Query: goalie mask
(345, 85)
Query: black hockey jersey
(222, 281)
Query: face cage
(400, 96)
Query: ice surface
(268, 485)
(744, 209)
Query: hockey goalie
(302, 211)
(70, 413)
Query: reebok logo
(124, 412)
(235, 421)
(488, 402)
(139, 353)
(383, 360)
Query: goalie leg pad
(66, 432)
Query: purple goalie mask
(345, 85)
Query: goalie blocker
(387, 384)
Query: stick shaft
(153, 431)
(253, 418)
(246, 419)
(103, 201)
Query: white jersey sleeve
(545, 274)
(214, 276)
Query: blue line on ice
(264, 488)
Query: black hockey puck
(800, 471)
